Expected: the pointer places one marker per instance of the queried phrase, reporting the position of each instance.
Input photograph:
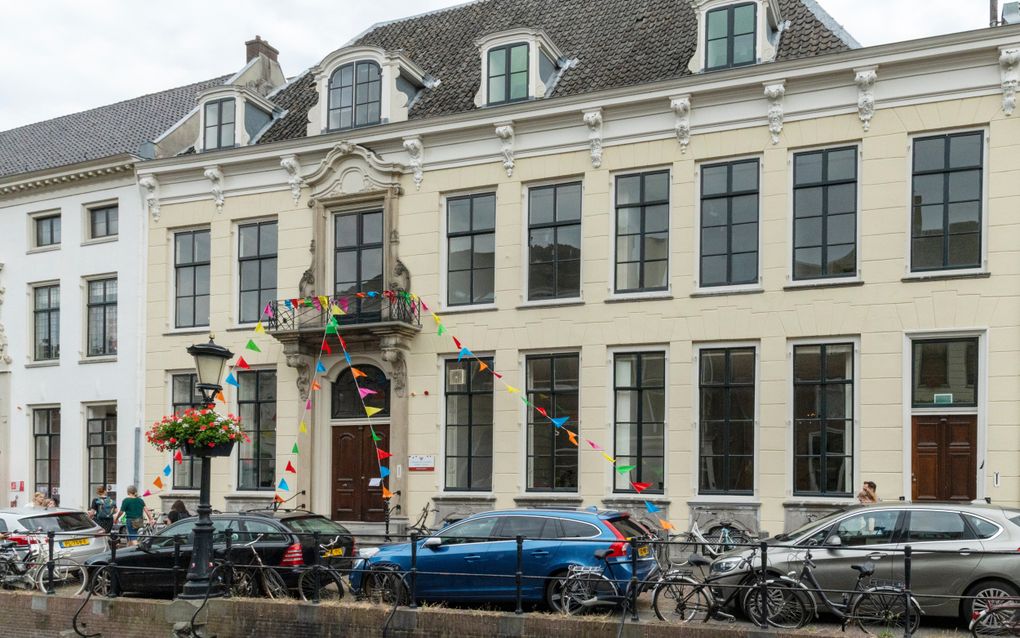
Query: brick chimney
(252, 48)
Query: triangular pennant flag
(650, 506)
(439, 321)
(595, 446)
(325, 345)
(241, 363)
(268, 310)
(382, 454)
(357, 373)
(146, 493)
(512, 389)
(294, 450)
(308, 404)
(541, 411)
(376, 436)
(665, 524)
(316, 386)
(231, 380)
(641, 487)
(369, 410)
(167, 470)
(422, 302)
(337, 310)
(572, 437)
(158, 483)
(364, 392)
(259, 329)
(464, 352)
(456, 342)
(277, 498)
(558, 422)
(386, 493)
(289, 304)
(290, 468)
(608, 458)
(344, 304)
(384, 471)
(347, 358)
(330, 330)
(623, 469)
(343, 344)
(179, 457)
(295, 302)
(302, 428)
(497, 375)
(220, 397)
(441, 330)
(359, 295)
(283, 485)
(254, 347)
(324, 301)
(307, 301)
(319, 368)
(482, 366)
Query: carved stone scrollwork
(302, 365)
(349, 169)
(1009, 68)
(681, 107)
(865, 81)
(505, 132)
(290, 164)
(415, 150)
(393, 349)
(150, 185)
(215, 177)
(774, 93)
(593, 120)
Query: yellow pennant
(512, 390)
(369, 410)
(336, 310)
(436, 317)
(324, 301)
(302, 428)
(259, 329)
(608, 458)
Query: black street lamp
(210, 360)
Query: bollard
(763, 585)
(49, 563)
(518, 574)
(228, 566)
(414, 571)
(633, 581)
(114, 584)
(315, 568)
(907, 551)
(177, 560)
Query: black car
(285, 542)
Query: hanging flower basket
(197, 432)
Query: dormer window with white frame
(355, 95)
(517, 65)
(218, 124)
(735, 33)
(232, 115)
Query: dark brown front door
(355, 463)
(945, 457)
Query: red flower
(173, 440)
(191, 441)
(212, 444)
(232, 436)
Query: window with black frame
(468, 426)
(355, 96)
(102, 317)
(471, 249)
(642, 232)
(729, 223)
(639, 423)
(946, 202)
(508, 73)
(825, 213)
(47, 231)
(358, 263)
(256, 404)
(726, 420)
(554, 241)
(46, 435)
(104, 221)
(347, 401)
(46, 324)
(552, 385)
(823, 425)
(101, 428)
(184, 395)
(730, 36)
(191, 278)
(219, 124)
(257, 264)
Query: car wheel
(101, 581)
(980, 595)
(554, 591)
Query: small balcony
(380, 314)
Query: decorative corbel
(865, 80)
(290, 164)
(774, 92)
(393, 350)
(415, 151)
(681, 107)
(150, 185)
(215, 175)
(593, 120)
(505, 132)
(1009, 68)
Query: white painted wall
(70, 383)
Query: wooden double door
(355, 463)
(944, 458)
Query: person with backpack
(135, 512)
(102, 508)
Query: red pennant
(343, 344)
(542, 411)
(456, 342)
(497, 375)
(326, 348)
(241, 363)
(296, 302)
(383, 454)
(278, 498)
(359, 295)
(179, 457)
(290, 468)
(641, 487)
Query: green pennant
(294, 449)
(441, 330)
(623, 469)
(307, 301)
(376, 437)
(253, 346)
(330, 329)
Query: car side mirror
(432, 542)
(145, 544)
(834, 541)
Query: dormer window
(508, 73)
(355, 95)
(730, 37)
(219, 124)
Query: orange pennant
(572, 437)
(482, 367)
(220, 397)
(386, 493)
(316, 386)
(357, 373)
(158, 483)
(665, 524)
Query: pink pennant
(422, 302)
(268, 311)
(315, 302)
(146, 493)
(594, 445)
(308, 404)
(364, 392)
(343, 303)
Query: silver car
(948, 542)
(75, 534)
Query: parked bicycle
(28, 568)
(420, 526)
(596, 590)
(254, 578)
(326, 582)
(1000, 618)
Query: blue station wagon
(475, 559)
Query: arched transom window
(346, 402)
(355, 95)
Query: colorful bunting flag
(344, 304)
(482, 366)
(512, 389)
(541, 411)
(497, 375)
(324, 301)
(179, 457)
(220, 397)
(254, 347)
(316, 386)
(302, 428)
(357, 373)
(347, 358)
(325, 346)
(259, 330)
(268, 310)
(277, 498)
(558, 422)
(641, 487)
(241, 363)
(289, 304)
(294, 450)
(438, 321)
(231, 380)
(456, 342)
(369, 410)
(290, 468)
(464, 352)
(608, 458)
(666, 525)
(330, 329)
(337, 310)
(441, 330)
(364, 392)
(623, 469)
(595, 446)
(167, 470)
(572, 437)
(376, 436)
(319, 368)
(308, 404)
(384, 471)
(283, 485)
(146, 493)
(650, 506)
(158, 483)
(382, 454)
(386, 493)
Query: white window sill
(706, 500)
(103, 359)
(42, 249)
(728, 290)
(939, 275)
(452, 310)
(100, 240)
(243, 327)
(552, 303)
(49, 363)
(186, 331)
(651, 295)
(823, 283)
(793, 500)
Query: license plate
(75, 542)
(336, 551)
(642, 551)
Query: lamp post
(210, 360)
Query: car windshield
(63, 522)
(807, 527)
(628, 528)
(312, 524)
(1013, 516)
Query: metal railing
(313, 313)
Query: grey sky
(63, 56)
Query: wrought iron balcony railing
(358, 310)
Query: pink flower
(232, 436)
(212, 445)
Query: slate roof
(616, 43)
(101, 132)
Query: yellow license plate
(75, 542)
(330, 553)
(642, 551)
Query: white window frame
(33, 239)
(611, 294)
(86, 236)
(526, 247)
(766, 22)
(444, 252)
(538, 42)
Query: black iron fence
(313, 313)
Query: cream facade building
(762, 280)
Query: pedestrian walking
(135, 514)
(102, 508)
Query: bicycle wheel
(680, 599)
(881, 609)
(385, 585)
(786, 606)
(244, 580)
(588, 594)
(68, 576)
(330, 586)
(272, 584)
(997, 620)
(681, 548)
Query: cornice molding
(681, 107)
(505, 132)
(865, 78)
(593, 120)
(57, 180)
(774, 92)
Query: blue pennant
(560, 421)
(650, 506)
(348, 357)
(232, 381)
(321, 369)
(167, 470)
(384, 471)
(464, 352)
(283, 485)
